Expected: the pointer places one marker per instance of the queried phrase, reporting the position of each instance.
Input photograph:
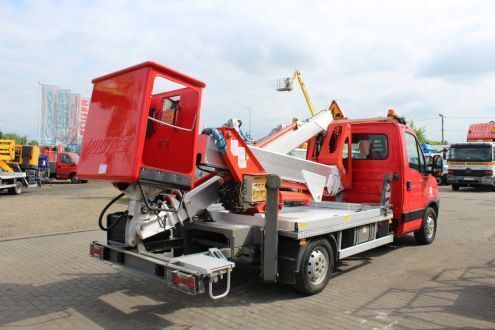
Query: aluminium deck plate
(307, 221)
(12, 175)
(204, 263)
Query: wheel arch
(290, 254)
(435, 205)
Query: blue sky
(420, 58)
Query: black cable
(100, 219)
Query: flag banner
(73, 118)
(83, 116)
(48, 129)
(61, 115)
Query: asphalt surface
(48, 281)
(57, 207)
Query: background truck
(363, 182)
(60, 165)
(18, 167)
(473, 163)
(430, 153)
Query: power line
(470, 117)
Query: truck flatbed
(306, 221)
(12, 175)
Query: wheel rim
(317, 266)
(430, 226)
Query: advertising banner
(83, 117)
(73, 118)
(63, 116)
(48, 129)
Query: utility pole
(249, 121)
(442, 117)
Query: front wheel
(315, 268)
(426, 234)
(17, 190)
(455, 187)
(74, 178)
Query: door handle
(408, 185)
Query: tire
(444, 179)
(17, 190)
(315, 268)
(426, 234)
(455, 187)
(439, 180)
(74, 179)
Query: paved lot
(50, 282)
(57, 207)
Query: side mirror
(436, 164)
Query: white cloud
(421, 58)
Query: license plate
(469, 179)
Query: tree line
(19, 139)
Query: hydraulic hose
(100, 219)
(218, 137)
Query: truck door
(64, 166)
(415, 181)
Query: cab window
(368, 146)
(65, 159)
(414, 154)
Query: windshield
(471, 153)
(75, 157)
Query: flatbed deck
(12, 175)
(307, 221)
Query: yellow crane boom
(285, 85)
(7, 154)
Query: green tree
(420, 131)
(19, 139)
(434, 143)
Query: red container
(122, 145)
(482, 132)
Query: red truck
(380, 146)
(61, 165)
(363, 183)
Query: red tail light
(97, 251)
(183, 282)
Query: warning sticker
(241, 160)
(234, 147)
(102, 169)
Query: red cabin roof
(481, 132)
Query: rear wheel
(455, 187)
(426, 234)
(74, 178)
(17, 190)
(316, 267)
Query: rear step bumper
(192, 274)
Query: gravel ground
(57, 207)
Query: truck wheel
(444, 179)
(426, 234)
(455, 187)
(439, 180)
(316, 267)
(17, 190)
(74, 179)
